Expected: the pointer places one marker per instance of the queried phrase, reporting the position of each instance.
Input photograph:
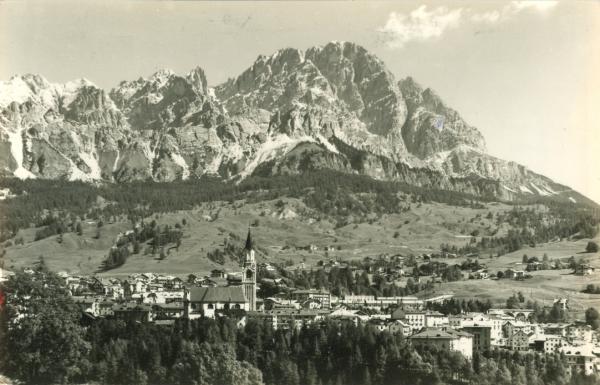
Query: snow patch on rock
(178, 159)
(509, 189)
(439, 158)
(16, 149)
(330, 146)
(539, 190)
(211, 93)
(92, 163)
(14, 90)
(275, 146)
(287, 214)
(76, 173)
(525, 189)
(114, 167)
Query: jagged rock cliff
(335, 107)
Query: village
(163, 299)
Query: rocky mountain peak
(411, 90)
(363, 82)
(334, 106)
(197, 77)
(431, 126)
(29, 87)
(161, 77)
(284, 59)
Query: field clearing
(420, 230)
(544, 286)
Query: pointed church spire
(249, 243)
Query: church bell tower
(249, 273)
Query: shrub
(592, 247)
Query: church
(206, 301)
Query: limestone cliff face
(432, 127)
(364, 84)
(331, 107)
(337, 90)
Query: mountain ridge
(335, 106)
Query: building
(379, 324)
(479, 274)
(351, 315)
(482, 336)
(579, 331)
(397, 326)
(582, 359)
(131, 311)
(357, 299)
(510, 327)
(438, 298)
(249, 273)
(514, 274)
(584, 269)
(518, 340)
(552, 343)
(414, 318)
(450, 340)
(562, 303)
(516, 314)
(96, 306)
(159, 296)
(87, 304)
(475, 319)
(287, 318)
(164, 311)
(434, 319)
(321, 296)
(556, 329)
(418, 319)
(205, 301)
(535, 266)
(370, 301)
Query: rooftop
(434, 334)
(217, 294)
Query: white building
(434, 319)
(582, 359)
(414, 318)
(449, 339)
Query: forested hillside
(58, 206)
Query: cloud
(486, 17)
(420, 24)
(535, 5)
(513, 9)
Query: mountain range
(330, 107)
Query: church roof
(249, 242)
(217, 294)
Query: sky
(525, 73)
